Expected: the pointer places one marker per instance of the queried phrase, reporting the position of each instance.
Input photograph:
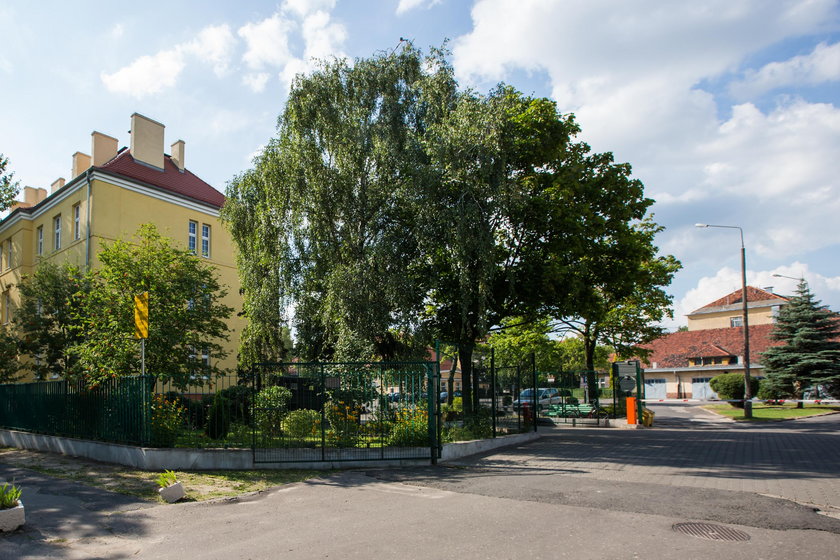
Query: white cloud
(322, 39)
(821, 65)
(151, 74)
(302, 8)
(214, 45)
(727, 280)
(147, 75)
(117, 31)
(408, 5)
(268, 42)
(630, 73)
(257, 81)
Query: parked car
(545, 396)
(444, 395)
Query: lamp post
(747, 388)
(801, 280)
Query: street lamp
(747, 388)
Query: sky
(728, 111)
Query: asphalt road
(575, 493)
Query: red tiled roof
(170, 179)
(674, 350)
(753, 294)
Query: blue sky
(729, 111)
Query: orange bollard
(631, 411)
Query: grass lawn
(200, 485)
(770, 413)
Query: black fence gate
(351, 411)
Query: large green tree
(326, 219)
(9, 188)
(810, 349)
(186, 313)
(47, 320)
(497, 159)
(394, 208)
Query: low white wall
(155, 459)
(460, 449)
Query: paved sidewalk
(797, 460)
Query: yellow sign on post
(141, 315)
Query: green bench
(569, 410)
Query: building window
(7, 307)
(205, 241)
(39, 241)
(736, 321)
(193, 231)
(9, 255)
(57, 235)
(77, 222)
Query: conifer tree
(810, 349)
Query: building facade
(681, 364)
(110, 194)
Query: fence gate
(352, 411)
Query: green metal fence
(115, 411)
(354, 411)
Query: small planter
(172, 493)
(12, 518)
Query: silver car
(545, 396)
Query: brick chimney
(57, 184)
(81, 162)
(147, 141)
(103, 148)
(177, 156)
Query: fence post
(493, 387)
(534, 386)
(323, 415)
(433, 403)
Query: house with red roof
(111, 192)
(682, 363)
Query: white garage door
(700, 388)
(655, 389)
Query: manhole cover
(711, 532)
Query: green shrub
(411, 428)
(344, 423)
(239, 400)
(768, 391)
(303, 423)
(9, 496)
(730, 386)
(218, 418)
(167, 420)
(270, 408)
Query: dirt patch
(200, 485)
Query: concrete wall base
(155, 459)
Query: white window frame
(77, 221)
(192, 234)
(205, 241)
(57, 233)
(736, 321)
(39, 240)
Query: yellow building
(728, 311)
(112, 192)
